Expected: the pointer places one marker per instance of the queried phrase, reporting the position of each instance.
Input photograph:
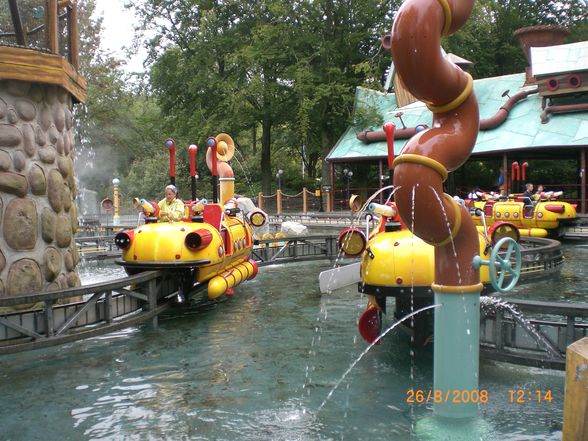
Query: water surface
(257, 367)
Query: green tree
(488, 38)
(117, 124)
(281, 71)
(339, 47)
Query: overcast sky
(118, 31)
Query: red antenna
(170, 144)
(211, 143)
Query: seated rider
(528, 191)
(528, 195)
(539, 193)
(171, 209)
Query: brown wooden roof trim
(40, 67)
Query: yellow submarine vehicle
(211, 244)
(540, 216)
(396, 263)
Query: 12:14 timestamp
(530, 396)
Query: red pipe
(211, 155)
(368, 136)
(524, 168)
(389, 130)
(429, 155)
(170, 144)
(218, 169)
(192, 150)
(562, 109)
(221, 169)
(514, 172)
(500, 116)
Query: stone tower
(38, 88)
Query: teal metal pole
(456, 354)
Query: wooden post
(279, 201)
(304, 201)
(260, 200)
(74, 36)
(575, 426)
(21, 36)
(51, 26)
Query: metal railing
(37, 320)
(301, 248)
(539, 341)
(45, 319)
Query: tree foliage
(117, 124)
(488, 38)
(279, 76)
(277, 71)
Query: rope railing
(302, 202)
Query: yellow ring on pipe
(458, 101)
(447, 11)
(456, 226)
(422, 160)
(467, 289)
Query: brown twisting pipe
(427, 157)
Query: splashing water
(366, 350)
(353, 222)
(242, 163)
(492, 304)
(449, 231)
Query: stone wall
(38, 216)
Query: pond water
(257, 366)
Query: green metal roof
(562, 58)
(522, 128)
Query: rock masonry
(38, 216)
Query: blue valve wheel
(501, 265)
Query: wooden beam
(40, 67)
(16, 21)
(575, 425)
(51, 25)
(73, 35)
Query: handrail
(80, 291)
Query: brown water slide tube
(429, 155)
